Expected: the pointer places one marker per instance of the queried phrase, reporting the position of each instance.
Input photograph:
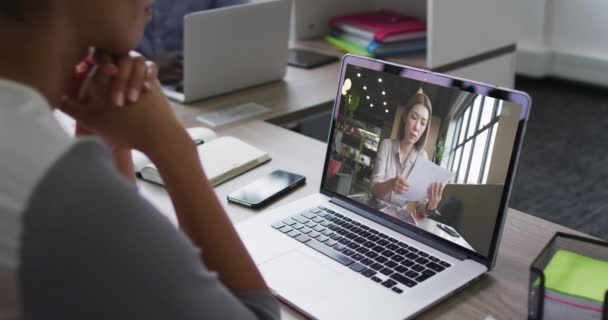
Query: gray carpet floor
(563, 169)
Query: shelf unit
(358, 149)
(472, 39)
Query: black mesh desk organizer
(561, 241)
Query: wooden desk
(502, 293)
(288, 150)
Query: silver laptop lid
(232, 48)
(397, 130)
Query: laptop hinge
(402, 230)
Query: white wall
(532, 24)
(580, 27)
(498, 71)
(564, 38)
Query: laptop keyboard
(361, 248)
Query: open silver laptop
(348, 253)
(231, 48)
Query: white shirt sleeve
(31, 140)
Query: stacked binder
(379, 34)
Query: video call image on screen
(432, 156)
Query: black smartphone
(265, 189)
(449, 230)
(308, 59)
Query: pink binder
(381, 26)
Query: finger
(440, 190)
(73, 108)
(436, 190)
(151, 75)
(83, 91)
(138, 77)
(109, 69)
(152, 70)
(399, 188)
(102, 84)
(121, 80)
(400, 185)
(431, 191)
(396, 188)
(83, 68)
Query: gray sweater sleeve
(92, 248)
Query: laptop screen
(437, 156)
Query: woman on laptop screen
(397, 157)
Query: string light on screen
(383, 93)
(347, 85)
(386, 110)
(380, 80)
(364, 87)
(358, 75)
(367, 97)
(371, 105)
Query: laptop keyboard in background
(361, 248)
(174, 86)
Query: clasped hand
(121, 100)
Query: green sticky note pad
(578, 276)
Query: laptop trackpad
(297, 267)
(298, 278)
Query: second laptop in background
(232, 48)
